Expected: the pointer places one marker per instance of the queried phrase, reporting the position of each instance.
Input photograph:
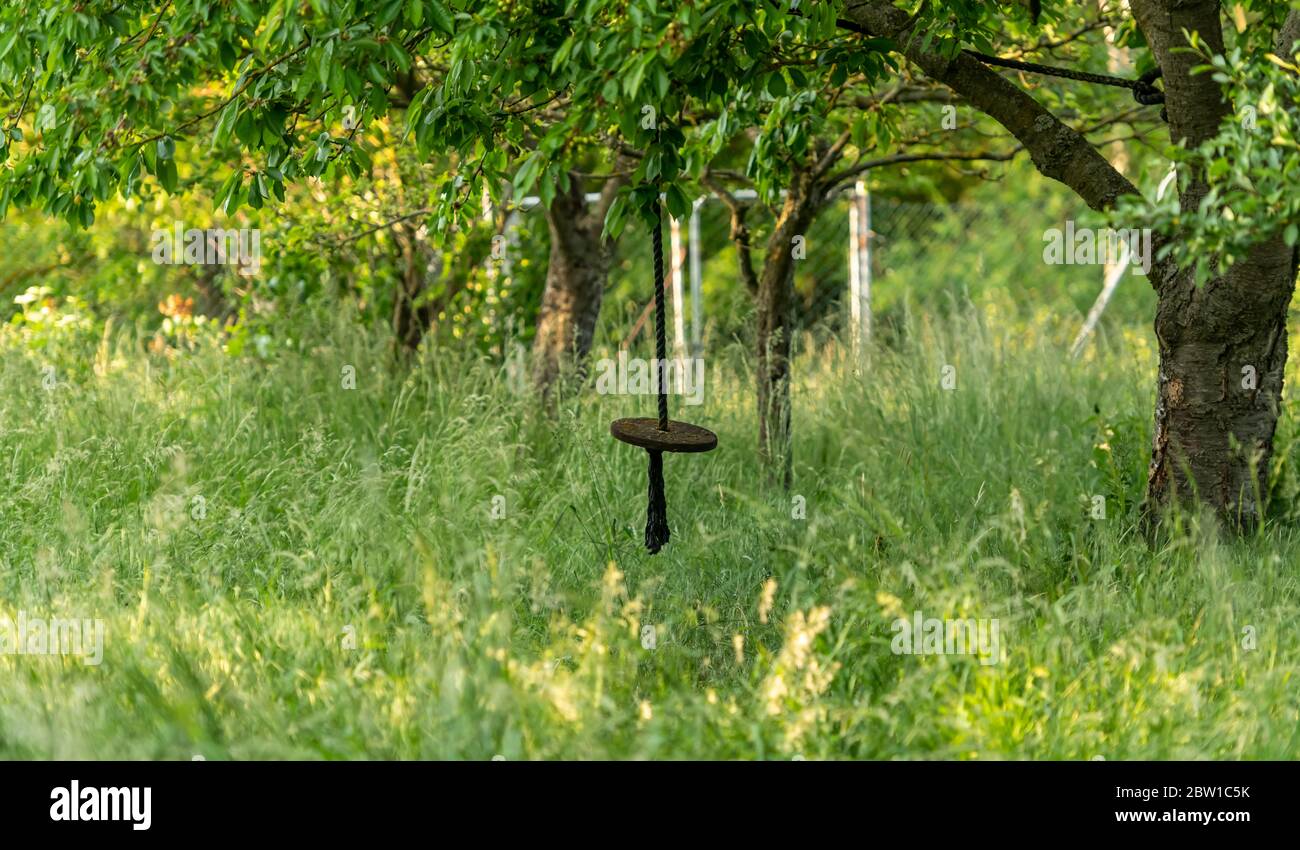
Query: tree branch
(739, 233)
(1058, 151)
(897, 159)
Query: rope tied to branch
(1143, 88)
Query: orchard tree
(1226, 243)
(799, 140)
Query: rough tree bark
(1214, 422)
(575, 282)
(1223, 347)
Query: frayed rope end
(656, 515)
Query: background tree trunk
(774, 302)
(576, 273)
(412, 314)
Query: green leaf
(526, 176)
(225, 123)
(632, 84)
(46, 118)
(131, 178)
(440, 18)
(255, 193)
(167, 177)
(616, 217)
(325, 61)
(6, 44)
(679, 206)
(234, 196)
(222, 197)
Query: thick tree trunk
(1223, 347)
(575, 283)
(412, 314)
(774, 302)
(1223, 350)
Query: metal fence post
(697, 280)
(679, 313)
(860, 266)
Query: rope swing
(660, 435)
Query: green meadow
(425, 566)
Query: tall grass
(241, 523)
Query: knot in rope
(1145, 91)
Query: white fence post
(1113, 274)
(697, 280)
(1111, 279)
(679, 313)
(860, 266)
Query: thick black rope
(1143, 88)
(661, 316)
(656, 517)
